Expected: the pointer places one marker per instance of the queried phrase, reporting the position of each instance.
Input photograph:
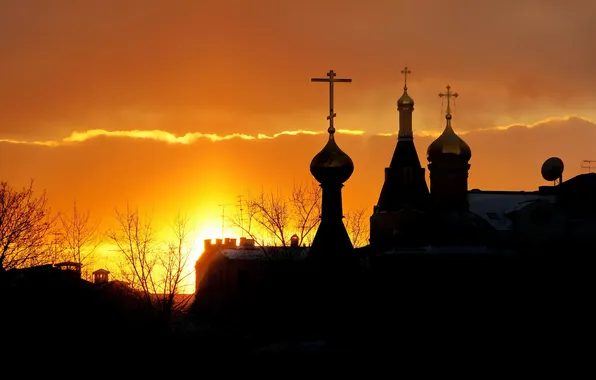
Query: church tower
(448, 158)
(331, 167)
(404, 195)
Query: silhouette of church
(438, 249)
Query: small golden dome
(448, 143)
(405, 99)
(331, 164)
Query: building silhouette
(451, 258)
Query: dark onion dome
(331, 164)
(448, 143)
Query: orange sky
(190, 72)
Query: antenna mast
(241, 217)
(588, 165)
(223, 214)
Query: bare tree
(24, 226)
(135, 241)
(306, 204)
(157, 270)
(174, 262)
(79, 237)
(357, 227)
(271, 218)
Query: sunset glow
(187, 106)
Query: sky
(186, 104)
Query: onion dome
(405, 99)
(448, 142)
(331, 164)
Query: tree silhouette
(157, 270)
(357, 226)
(79, 237)
(25, 223)
(271, 218)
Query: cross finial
(405, 71)
(449, 95)
(331, 79)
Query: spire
(404, 187)
(405, 106)
(331, 167)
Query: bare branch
(79, 236)
(25, 223)
(357, 227)
(174, 263)
(134, 239)
(270, 218)
(158, 271)
(306, 204)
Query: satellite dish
(552, 169)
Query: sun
(210, 231)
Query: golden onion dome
(331, 164)
(448, 143)
(405, 99)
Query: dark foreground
(505, 306)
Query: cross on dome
(449, 95)
(331, 79)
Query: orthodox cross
(331, 74)
(405, 71)
(449, 95)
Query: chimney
(218, 242)
(242, 241)
(233, 243)
(207, 243)
(294, 241)
(100, 276)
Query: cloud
(553, 119)
(190, 138)
(167, 137)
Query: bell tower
(404, 187)
(448, 158)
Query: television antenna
(241, 217)
(223, 215)
(589, 165)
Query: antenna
(241, 218)
(223, 214)
(552, 170)
(588, 165)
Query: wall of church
(449, 183)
